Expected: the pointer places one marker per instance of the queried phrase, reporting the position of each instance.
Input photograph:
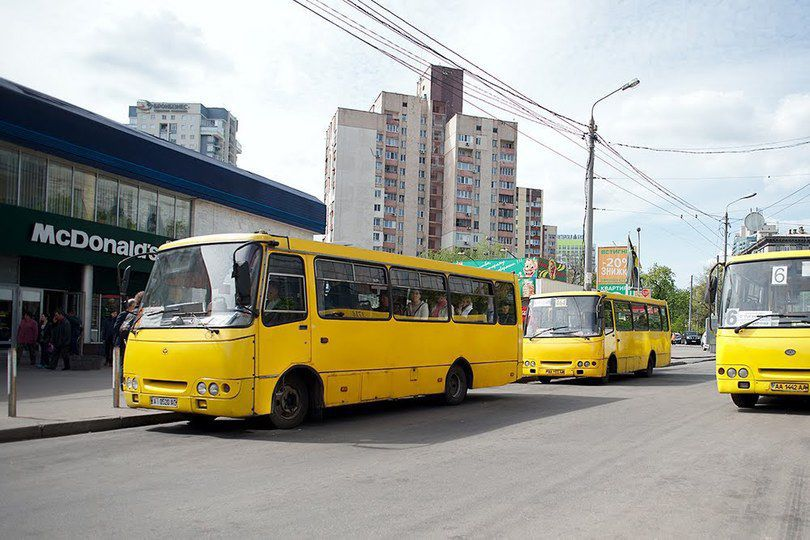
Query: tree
(661, 282)
(480, 251)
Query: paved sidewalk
(55, 403)
(690, 354)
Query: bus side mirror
(711, 290)
(241, 276)
(123, 286)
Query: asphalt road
(659, 457)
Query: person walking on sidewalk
(108, 335)
(27, 335)
(45, 347)
(60, 339)
(76, 328)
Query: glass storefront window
(147, 210)
(182, 218)
(166, 215)
(32, 181)
(106, 198)
(60, 180)
(84, 193)
(127, 206)
(9, 171)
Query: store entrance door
(53, 300)
(6, 314)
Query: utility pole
(638, 254)
(589, 262)
(689, 323)
(725, 225)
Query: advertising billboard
(528, 270)
(611, 268)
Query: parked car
(676, 337)
(691, 338)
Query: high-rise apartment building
(571, 252)
(550, 242)
(529, 222)
(207, 130)
(414, 173)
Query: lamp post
(589, 263)
(504, 250)
(725, 223)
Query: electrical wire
(772, 146)
(786, 197)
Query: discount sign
(611, 266)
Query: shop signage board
(527, 268)
(612, 288)
(611, 266)
(33, 233)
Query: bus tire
(200, 421)
(290, 402)
(649, 370)
(745, 401)
(610, 367)
(455, 385)
(544, 380)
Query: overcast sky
(713, 74)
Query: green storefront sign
(619, 288)
(44, 235)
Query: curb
(61, 429)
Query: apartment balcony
(465, 159)
(392, 162)
(216, 131)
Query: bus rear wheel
(455, 385)
(290, 402)
(649, 369)
(745, 401)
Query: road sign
(645, 293)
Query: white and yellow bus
(763, 339)
(256, 324)
(592, 334)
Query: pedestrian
(45, 346)
(122, 325)
(76, 328)
(108, 336)
(27, 335)
(60, 339)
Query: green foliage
(480, 251)
(661, 282)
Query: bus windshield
(193, 286)
(766, 294)
(563, 316)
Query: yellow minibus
(763, 334)
(255, 324)
(593, 334)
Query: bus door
(624, 336)
(284, 333)
(610, 329)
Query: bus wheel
(455, 385)
(290, 402)
(745, 401)
(649, 371)
(544, 380)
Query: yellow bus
(593, 334)
(764, 326)
(254, 324)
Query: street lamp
(725, 223)
(504, 250)
(589, 263)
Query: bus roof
(771, 255)
(609, 295)
(346, 252)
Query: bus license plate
(555, 371)
(790, 387)
(164, 402)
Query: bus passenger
(417, 308)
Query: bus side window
(664, 319)
(472, 300)
(607, 311)
(654, 313)
(285, 297)
(624, 321)
(505, 297)
(640, 321)
(349, 290)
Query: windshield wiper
(552, 329)
(245, 309)
(197, 320)
(768, 315)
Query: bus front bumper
(748, 385)
(595, 369)
(237, 404)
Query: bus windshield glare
(563, 316)
(194, 286)
(766, 294)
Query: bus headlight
(533, 363)
(213, 389)
(201, 388)
(526, 363)
(731, 372)
(743, 373)
(129, 383)
(579, 364)
(134, 383)
(587, 364)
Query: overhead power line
(789, 195)
(804, 141)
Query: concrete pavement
(659, 457)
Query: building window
(60, 182)
(106, 201)
(183, 218)
(377, 207)
(32, 181)
(9, 171)
(478, 140)
(165, 224)
(127, 206)
(84, 193)
(477, 128)
(147, 211)
(402, 171)
(377, 193)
